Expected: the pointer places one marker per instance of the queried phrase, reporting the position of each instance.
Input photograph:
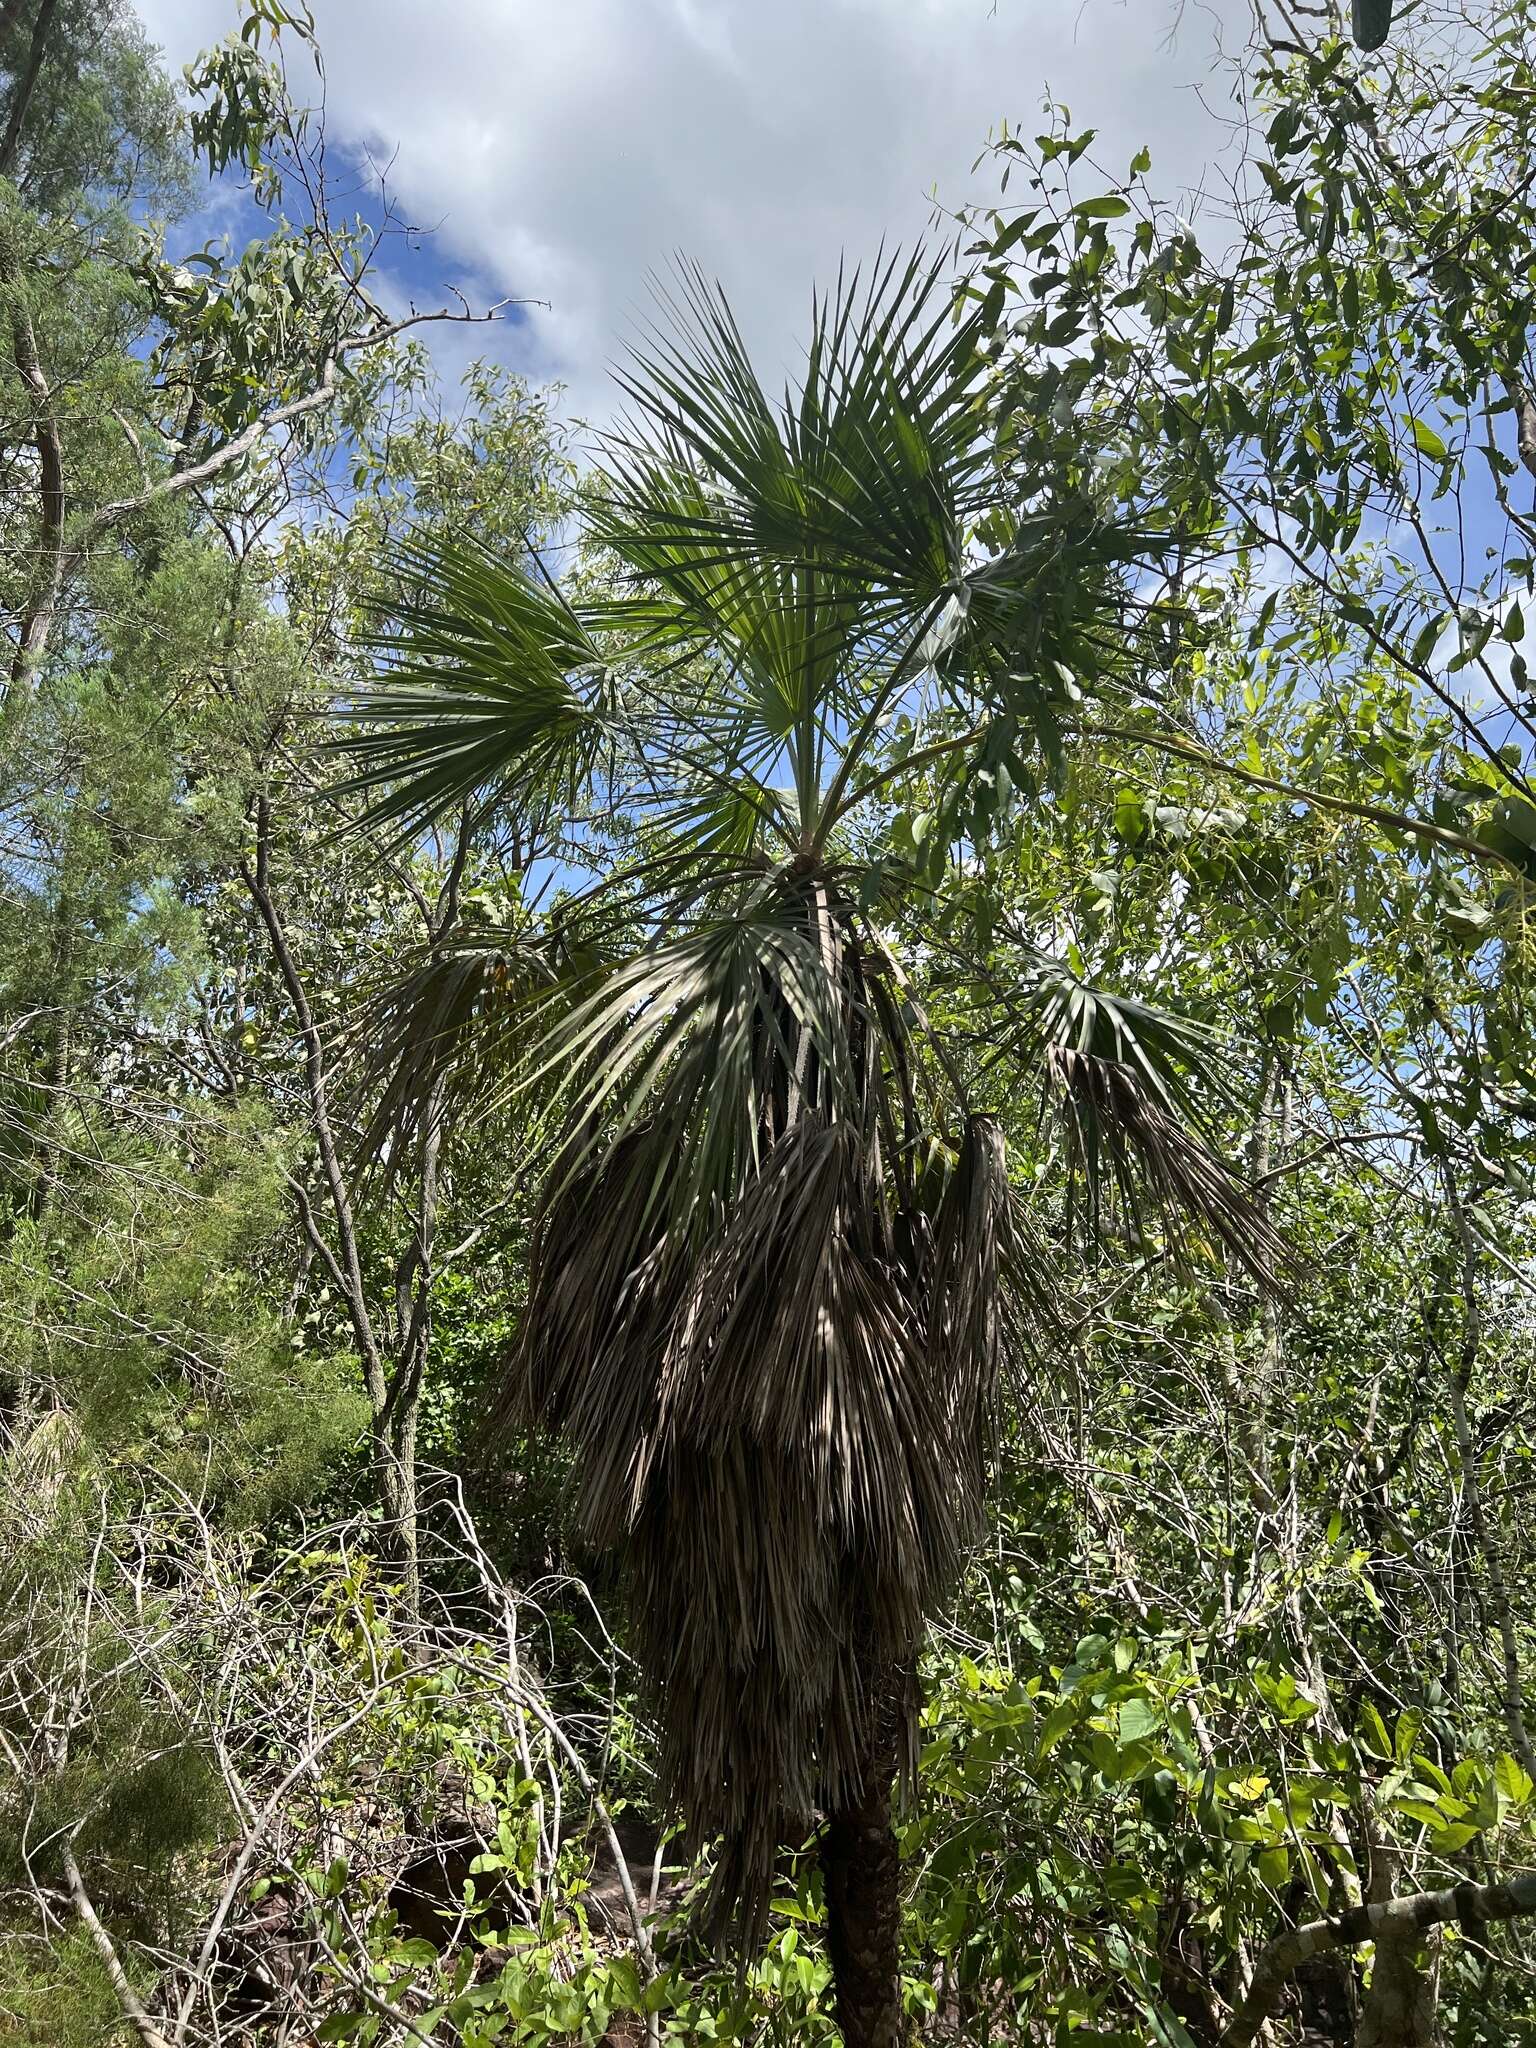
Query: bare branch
(132, 2005)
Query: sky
(569, 150)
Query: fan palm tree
(778, 1262)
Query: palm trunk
(861, 1883)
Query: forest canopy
(768, 1178)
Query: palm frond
(701, 1035)
(974, 1248)
(847, 509)
(1130, 1083)
(783, 631)
(1174, 1058)
(604, 1287)
(865, 469)
(457, 1021)
(761, 1429)
(1121, 1134)
(491, 687)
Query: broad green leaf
(1110, 206)
(1274, 1866)
(1373, 1732)
(1512, 1779)
(1140, 1721)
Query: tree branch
(257, 881)
(42, 601)
(1471, 1905)
(62, 561)
(133, 2006)
(1376, 814)
(26, 85)
(182, 480)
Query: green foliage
(1067, 763)
(143, 1314)
(56, 1993)
(102, 127)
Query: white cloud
(564, 149)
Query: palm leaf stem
(921, 759)
(832, 806)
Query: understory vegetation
(768, 1187)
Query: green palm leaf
(491, 688)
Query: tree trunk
(47, 548)
(26, 85)
(1399, 2009)
(861, 1881)
(1484, 1530)
(394, 1400)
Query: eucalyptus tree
(160, 418)
(1337, 365)
(779, 1261)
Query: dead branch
(133, 2006)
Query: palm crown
(778, 1261)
